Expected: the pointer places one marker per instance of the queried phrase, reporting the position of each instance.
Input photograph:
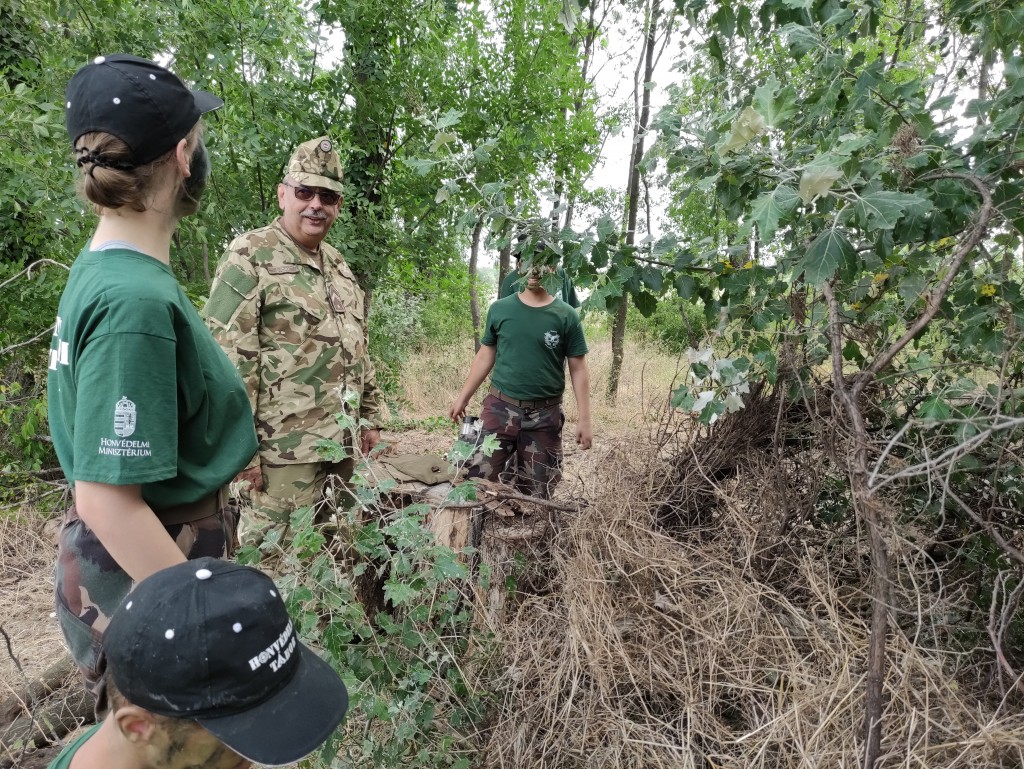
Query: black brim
(293, 722)
(206, 101)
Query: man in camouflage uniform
(289, 313)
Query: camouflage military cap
(316, 164)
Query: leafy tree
(868, 200)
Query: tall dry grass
(655, 650)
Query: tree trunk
(618, 342)
(504, 259)
(474, 297)
(643, 110)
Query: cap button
(99, 60)
(204, 574)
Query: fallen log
(52, 706)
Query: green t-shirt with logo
(63, 759)
(139, 392)
(532, 344)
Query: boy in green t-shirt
(527, 341)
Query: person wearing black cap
(205, 670)
(149, 418)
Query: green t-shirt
(513, 285)
(139, 392)
(63, 759)
(532, 345)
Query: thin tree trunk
(633, 186)
(504, 263)
(474, 298)
(618, 345)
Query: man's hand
(253, 476)
(458, 409)
(584, 434)
(369, 439)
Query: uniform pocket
(294, 302)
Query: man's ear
(280, 196)
(135, 724)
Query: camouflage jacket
(293, 323)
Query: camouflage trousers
(89, 584)
(267, 514)
(530, 440)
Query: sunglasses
(305, 194)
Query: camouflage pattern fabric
(316, 164)
(89, 584)
(293, 323)
(532, 436)
(285, 489)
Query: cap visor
(291, 724)
(206, 101)
(315, 180)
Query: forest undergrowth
(688, 610)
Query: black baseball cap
(211, 641)
(141, 103)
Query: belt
(536, 403)
(191, 511)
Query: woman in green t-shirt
(149, 419)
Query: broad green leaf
(442, 138)
(646, 303)
(652, 278)
(852, 352)
(775, 103)
(569, 15)
(911, 287)
(422, 166)
(398, 592)
(824, 256)
(683, 399)
(934, 409)
(685, 286)
(605, 228)
(664, 245)
(725, 20)
(449, 118)
(443, 193)
(850, 143)
(817, 180)
(771, 208)
(800, 39)
(715, 50)
(744, 128)
(840, 17)
(883, 208)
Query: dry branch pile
(676, 647)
